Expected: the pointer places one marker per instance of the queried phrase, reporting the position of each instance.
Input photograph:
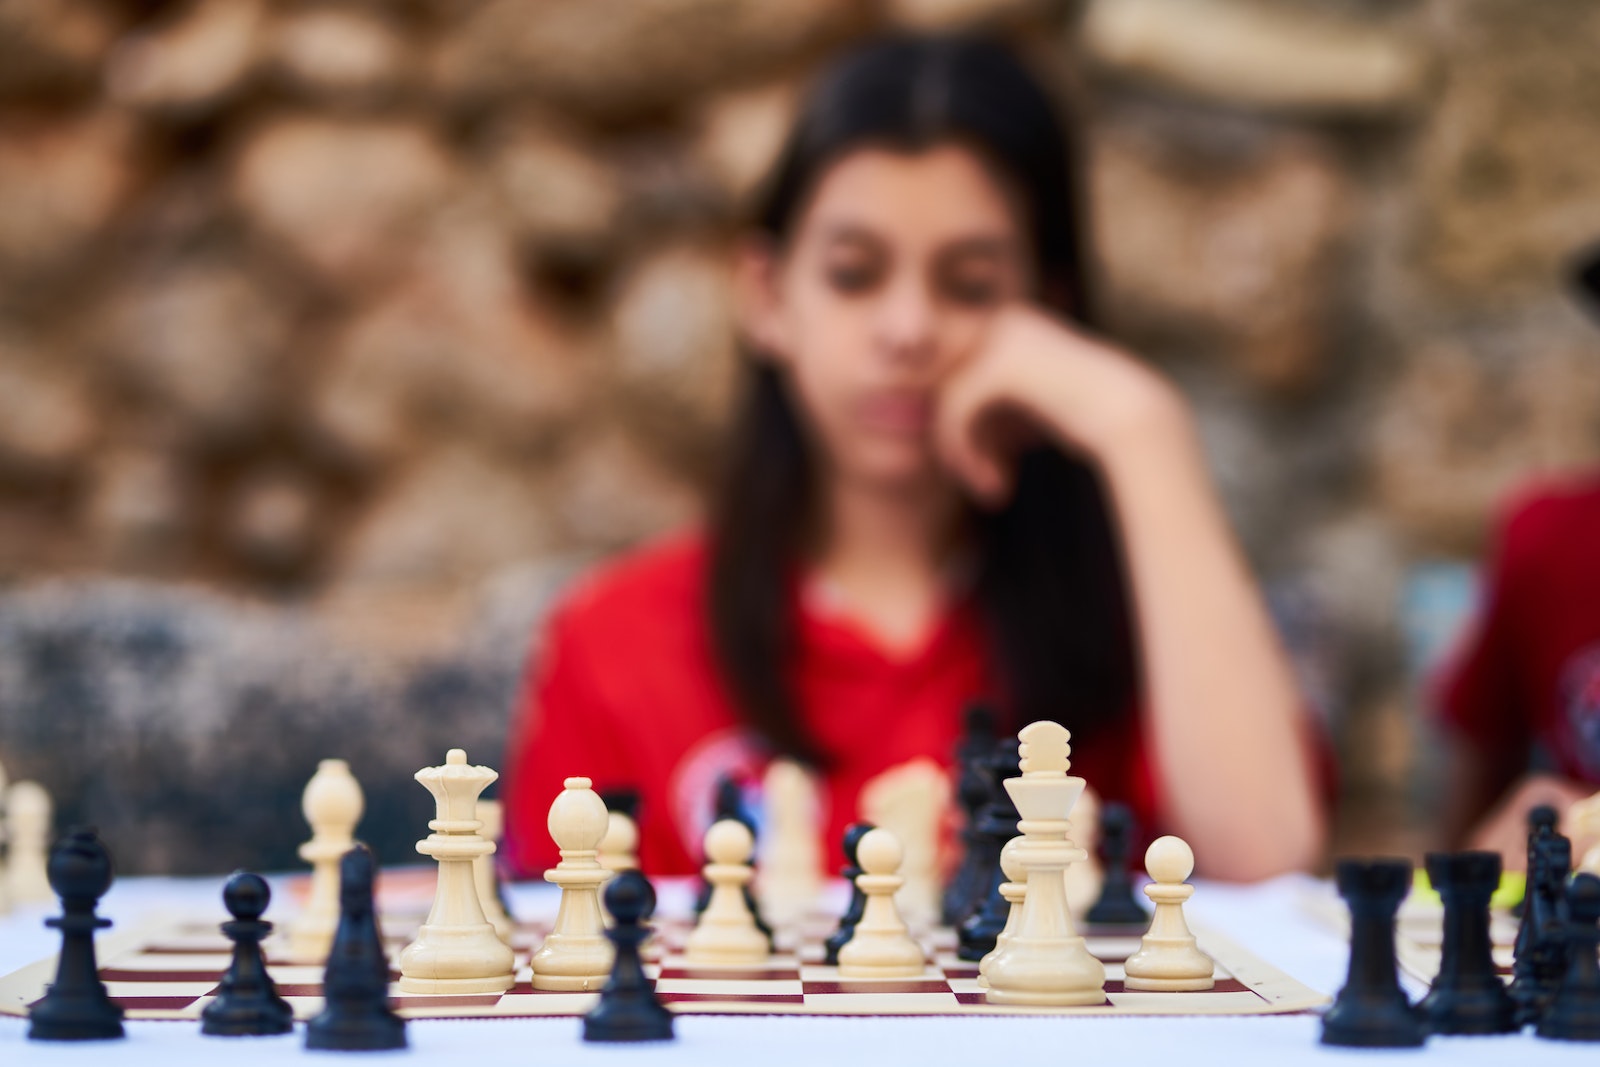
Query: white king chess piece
(1046, 961)
(576, 954)
(457, 950)
(332, 803)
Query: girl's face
(887, 284)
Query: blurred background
(335, 334)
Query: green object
(1513, 887)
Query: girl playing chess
(942, 483)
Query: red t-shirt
(1528, 673)
(625, 691)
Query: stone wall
(326, 323)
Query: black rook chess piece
(997, 822)
(1372, 1011)
(1117, 906)
(1574, 1012)
(76, 1006)
(247, 1003)
(1467, 996)
(357, 1017)
(965, 888)
(858, 900)
(628, 1009)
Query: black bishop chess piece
(858, 900)
(1574, 1012)
(76, 1006)
(1467, 996)
(964, 890)
(1541, 948)
(629, 1009)
(1117, 905)
(1372, 1011)
(247, 1002)
(357, 1016)
(997, 822)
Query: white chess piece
(457, 950)
(576, 955)
(1015, 890)
(28, 818)
(619, 848)
(1168, 959)
(727, 932)
(790, 859)
(1085, 877)
(912, 801)
(332, 804)
(1046, 961)
(881, 946)
(492, 815)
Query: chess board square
(544, 1004)
(304, 1007)
(730, 987)
(876, 986)
(677, 962)
(296, 974)
(910, 1003)
(703, 1001)
(144, 993)
(676, 972)
(413, 1005)
(144, 963)
(812, 975)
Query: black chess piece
(963, 892)
(357, 1016)
(1372, 1011)
(997, 821)
(858, 900)
(1117, 904)
(75, 1006)
(1467, 996)
(1537, 961)
(1542, 821)
(628, 1009)
(1574, 1012)
(247, 1002)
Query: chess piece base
(495, 984)
(75, 1020)
(371, 1033)
(1169, 985)
(1389, 1025)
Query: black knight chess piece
(1117, 905)
(247, 1002)
(1574, 1012)
(628, 1009)
(997, 822)
(858, 900)
(1542, 820)
(76, 1006)
(1541, 950)
(1467, 996)
(1372, 1011)
(357, 1017)
(964, 891)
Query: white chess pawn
(576, 955)
(457, 950)
(28, 825)
(727, 932)
(1168, 959)
(1015, 890)
(492, 815)
(881, 946)
(332, 804)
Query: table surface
(1272, 919)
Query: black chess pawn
(628, 1009)
(1467, 996)
(1117, 905)
(1574, 1012)
(997, 821)
(964, 891)
(1542, 821)
(357, 1016)
(247, 1002)
(858, 900)
(75, 1006)
(1372, 1011)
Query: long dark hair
(1049, 582)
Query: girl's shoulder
(656, 585)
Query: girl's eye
(852, 278)
(974, 292)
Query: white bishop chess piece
(1046, 961)
(1168, 959)
(28, 818)
(881, 946)
(332, 804)
(457, 950)
(576, 954)
(727, 933)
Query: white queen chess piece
(1168, 959)
(332, 804)
(1046, 962)
(457, 950)
(576, 954)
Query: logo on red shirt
(1580, 697)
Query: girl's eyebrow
(983, 245)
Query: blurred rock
(52, 47)
(346, 198)
(612, 495)
(1278, 57)
(559, 194)
(741, 134)
(342, 56)
(616, 59)
(192, 64)
(139, 507)
(272, 523)
(46, 422)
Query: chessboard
(168, 970)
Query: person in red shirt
(940, 485)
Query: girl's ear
(756, 287)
